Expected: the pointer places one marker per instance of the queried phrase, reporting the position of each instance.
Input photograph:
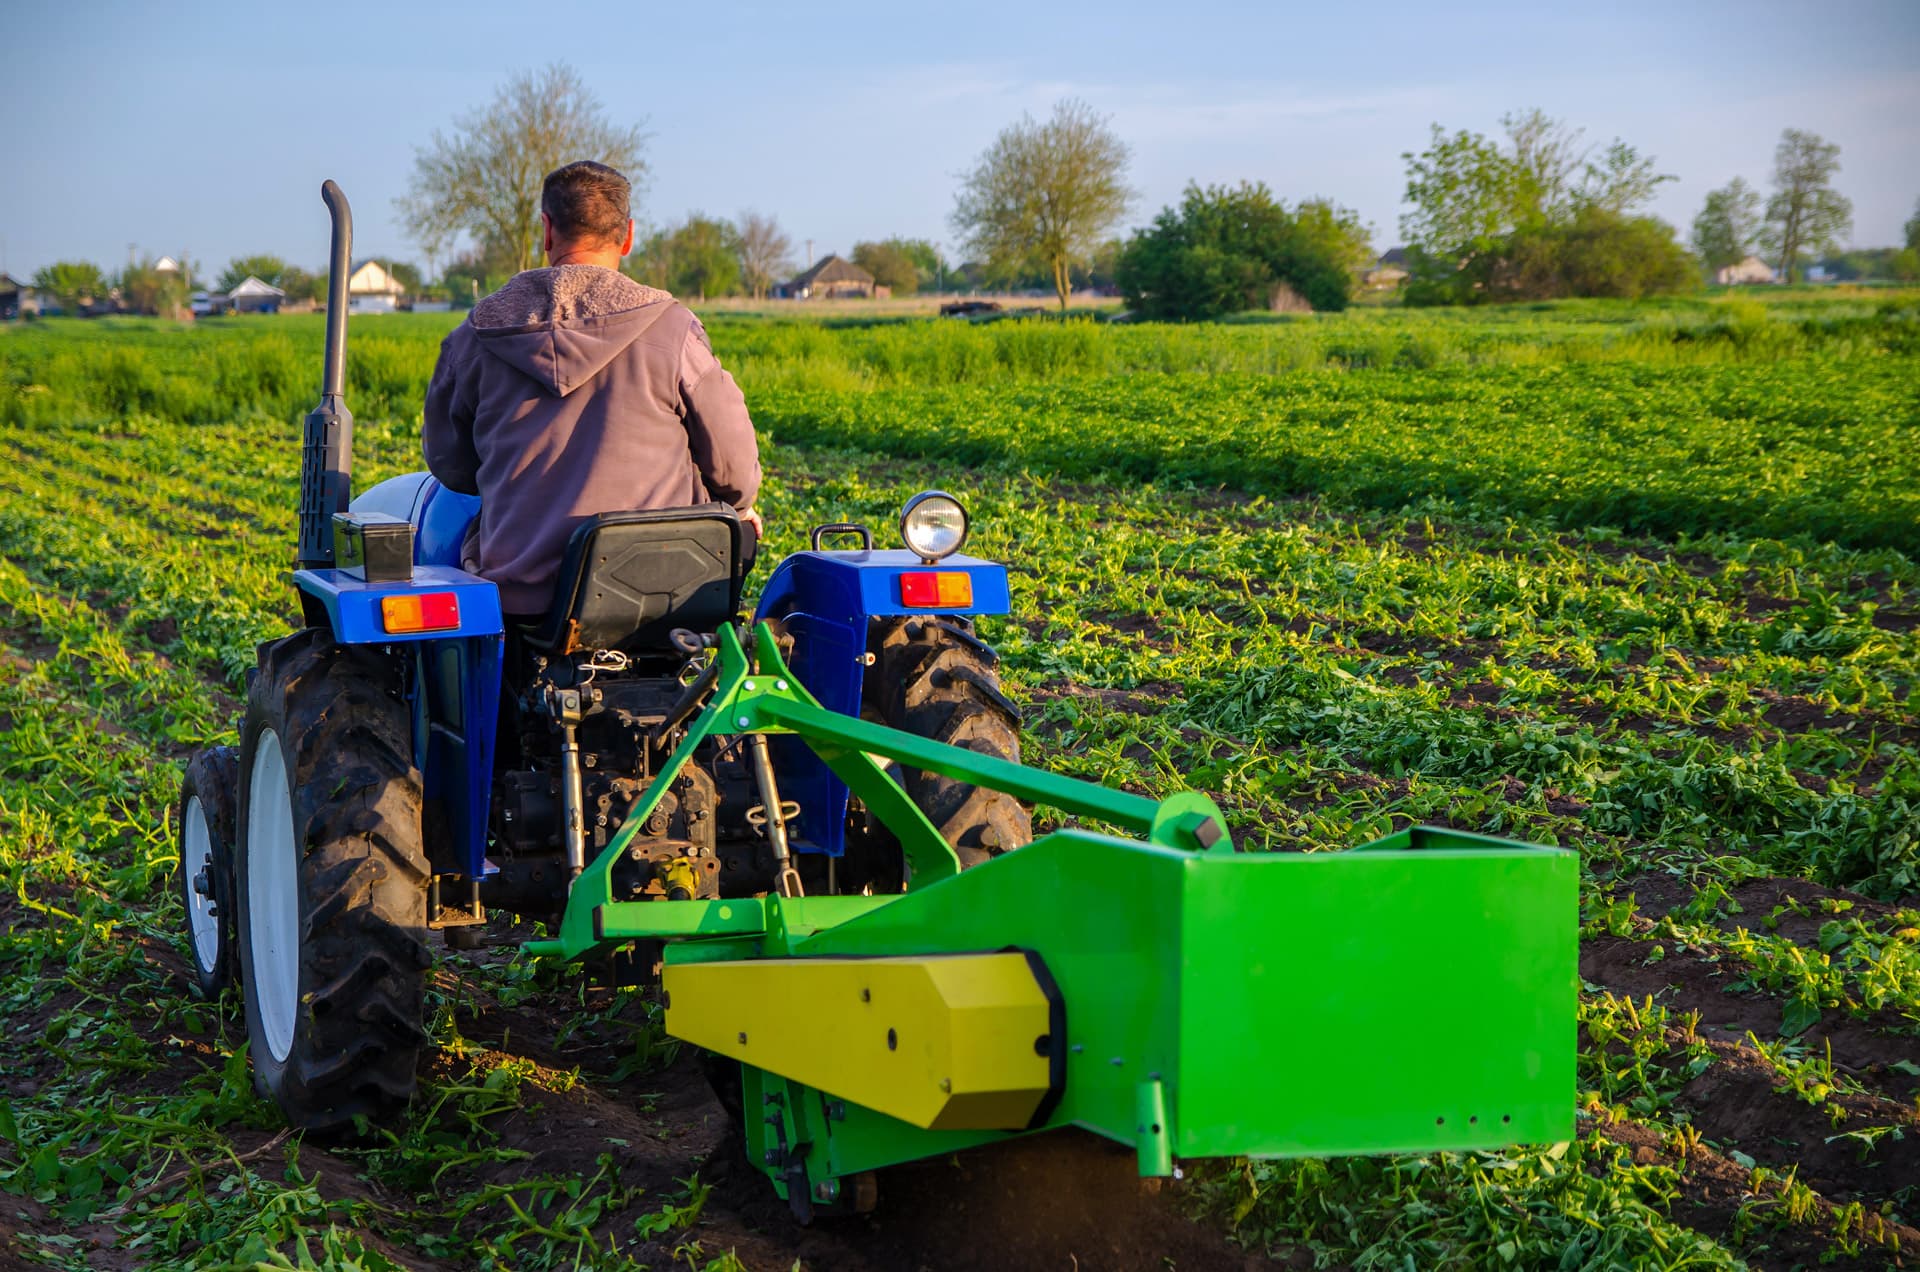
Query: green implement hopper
(1414, 996)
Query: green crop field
(1639, 580)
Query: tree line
(143, 287)
(1535, 214)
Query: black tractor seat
(629, 579)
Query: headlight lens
(933, 524)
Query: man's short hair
(587, 201)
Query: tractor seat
(629, 578)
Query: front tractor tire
(934, 678)
(209, 793)
(331, 883)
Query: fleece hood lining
(562, 325)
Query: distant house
(371, 289)
(1389, 271)
(256, 297)
(1751, 270)
(18, 299)
(829, 279)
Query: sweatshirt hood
(559, 326)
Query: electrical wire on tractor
(816, 824)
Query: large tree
(300, 285)
(1913, 227)
(890, 264)
(1474, 197)
(1806, 214)
(766, 253)
(1467, 190)
(1728, 226)
(698, 258)
(147, 289)
(1044, 195)
(483, 180)
(268, 269)
(71, 283)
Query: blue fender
(825, 600)
(454, 694)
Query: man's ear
(626, 244)
(546, 234)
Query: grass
(1615, 577)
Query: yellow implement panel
(946, 1042)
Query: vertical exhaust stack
(326, 455)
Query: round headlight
(933, 524)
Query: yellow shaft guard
(946, 1042)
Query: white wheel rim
(196, 857)
(273, 896)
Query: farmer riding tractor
(780, 818)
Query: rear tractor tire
(331, 883)
(933, 678)
(209, 794)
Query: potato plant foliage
(1643, 580)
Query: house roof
(9, 283)
(166, 265)
(831, 269)
(377, 280)
(1393, 256)
(254, 287)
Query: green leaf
(1798, 1016)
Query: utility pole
(809, 253)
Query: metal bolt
(748, 686)
(946, 1085)
(741, 721)
(1117, 1061)
(781, 685)
(743, 1042)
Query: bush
(1225, 250)
(1598, 254)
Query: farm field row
(1751, 425)
(1721, 722)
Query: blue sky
(208, 127)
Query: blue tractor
(408, 764)
(804, 825)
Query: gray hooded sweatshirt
(573, 391)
